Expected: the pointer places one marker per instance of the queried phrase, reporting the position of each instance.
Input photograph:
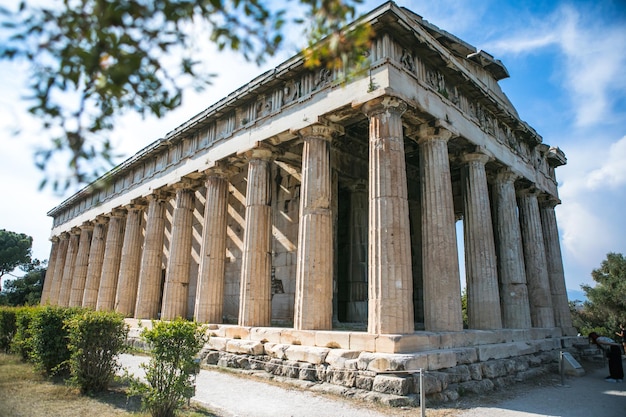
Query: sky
(567, 66)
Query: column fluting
(82, 263)
(128, 277)
(541, 312)
(255, 299)
(150, 272)
(111, 261)
(511, 269)
(55, 287)
(390, 277)
(313, 308)
(554, 259)
(69, 267)
(442, 286)
(210, 290)
(483, 299)
(96, 259)
(176, 289)
(47, 282)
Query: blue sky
(567, 62)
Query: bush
(8, 327)
(174, 346)
(95, 340)
(50, 352)
(22, 342)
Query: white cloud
(612, 173)
(593, 50)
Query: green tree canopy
(25, 290)
(93, 60)
(15, 250)
(606, 305)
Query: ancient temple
(307, 204)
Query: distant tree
(25, 290)
(93, 60)
(15, 250)
(606, 305)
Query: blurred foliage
(91, 61)
(25, 290)
(605, 307)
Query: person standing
(622, 336)
(613, 351)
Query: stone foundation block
(246, 347)
(362, 342)
(364, 382)
(494, 369)
(434, 382)
(265, 334)
(217, 343)
(441, 360)
(465, 356)
(333, 340)
(476, 371)
(393, 384)
(344, 378)
(276, 350)
(297, 337)
(291, 369)
(458, 374)
(310, 354)
(307, 372)
(237, 332)
(504, 350)
(337, 358)
(476, 387)
(381, 362)
(393, 343)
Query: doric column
(96, 258)
(541, 312)
(82, 263)
(176, 288)
(511, 270)
(128, 277)
(556, 275)
(483, 300)
(149, 289)
(313, 308)
(255, 300)
(68, 270)
(59, 266)
(111, 262)
(442, 286)
(390, 278)
(210, 289)
(47, 282)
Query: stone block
(416, 342)
(364, 382)
(310, 354)
(217, 343)
(434, 382)
(237, 332)
(362, 341)
(504, 350)
(344, 377)
(465, 356)
(441, 360)
(476, 371)
(458, 374)
(393, 384)
(246, 347)
(494, 369)
(276, 350)
(297, 337)
(477, 387)
(307, 372)
(265, 334)
(381, 362)
(337, 358)
(333, 340)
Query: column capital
(117, 212)
(160, 194)
(384, 104)
(478, 157)
(220, 169)
(186, 184)
(529, 190)
(547, 200)
(506, 175)
(54, 239)
(438, 130)
(136, 205)
(75, 231)
(261, 151)
(64, 236)
(87, 226)
(320, 131)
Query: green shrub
(8, 327)
(22, 342)
(95, 340)
(50, 352)
(170, 372)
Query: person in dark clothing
(622, 337)
(613, 351)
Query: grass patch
(26, 393)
